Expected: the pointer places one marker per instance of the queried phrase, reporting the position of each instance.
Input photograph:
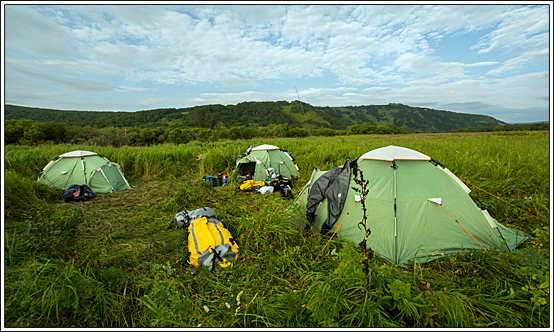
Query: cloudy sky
(482, 59)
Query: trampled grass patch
(112, 262)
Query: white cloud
(480, 64)
(30, 32)
(377, 90)
(509, 65)
(237, 81)
(391, 53)
(130, 89)
(426, 70)
(515, 29)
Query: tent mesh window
(247, 168)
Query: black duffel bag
(78, 193)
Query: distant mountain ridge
(261, 114)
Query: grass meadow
(112, 262)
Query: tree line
(510, 127)
(28, 132)
(205, 116)
(256, 114)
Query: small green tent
(262, 157)
(416, 211)
(84, 167)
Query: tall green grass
(53, 293)
(115, 263)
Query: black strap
(216, 255)
(437, 163)
(477, 198)
(354, 166)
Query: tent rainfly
(417, 210)
(262, 157)
(84, 167)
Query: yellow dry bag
(210, 244)
(251, 184)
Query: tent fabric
(434, 215)
(392, 152)
(78, 153)
(263, 157)
(265, 147)
(84, 168)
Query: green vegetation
(295, 115)
(112, 262)
(512, 127)
(28, 132)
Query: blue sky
(488, 59)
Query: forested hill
(294, 114)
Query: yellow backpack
(210, 244)
(251, 184)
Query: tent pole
(84, 172)
(69, 177)
(123, 177)
(505, 242)
(395, 225)
(108, 181)
(46, 168)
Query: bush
(324, 132)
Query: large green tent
(84, 167)
(260, 158)
(417, 210)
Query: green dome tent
(262, 157)
(84, 167)
(416, 211)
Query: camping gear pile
(266, 169)
(417, 210)
(210, 244)
(255, 162)
(275, 183)
(216, 180)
